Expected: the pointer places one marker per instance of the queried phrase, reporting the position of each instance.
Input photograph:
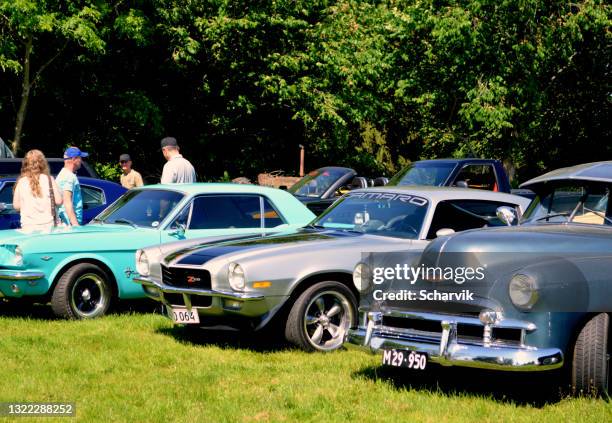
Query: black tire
(82, 292)
(590, 364)
(324, 330)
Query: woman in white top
(32, 195)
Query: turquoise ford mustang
(82, 270)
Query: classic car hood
(303, 242)
(540, 238)
(88, 237)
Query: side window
(461, 215)
(6, 193)
(271, 217)
(92, 197)
(478, 177)
(225, 212)
(182, 218)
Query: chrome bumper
(17, 275)
(151, 283)
(447, 349)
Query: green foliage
(110, 171)
(371, 84)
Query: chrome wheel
(89, 296)
(327, 318)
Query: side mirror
(2, 207)
(283, 187)
(461, 184)
(506, 214)
(444, 232)
(179, 230)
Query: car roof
(221, 187)
(450, 160)
(595, 171)
(436, 193)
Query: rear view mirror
(444, 232)
(506, 214)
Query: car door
(9, 217)
(224, 214)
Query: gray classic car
(543, 303)
(304, 279)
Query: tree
(35, 33)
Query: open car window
(461, 215)
(478, 176)
(572, 203)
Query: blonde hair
(34, 164)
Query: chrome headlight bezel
(236, 277)
(143, 267)
(361, 278)
(523, 291)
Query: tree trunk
(25, 96)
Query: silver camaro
(304, 279)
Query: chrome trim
(242, 296)
(17, 275)
(452, 353)
(503, 323)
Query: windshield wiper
(549, 215)
(313, 226)
(129, 222)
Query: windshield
(419, 173)
(379, 213)
(317, 182)
(575, 203)
(146, 208)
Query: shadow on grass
(261, 341)
(25, 309)
(523, 389)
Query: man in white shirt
(177, 169)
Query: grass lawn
(137, 367)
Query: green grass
(137, 367)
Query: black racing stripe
(202, 256)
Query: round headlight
(18, 256)
(236, 277)
(523, 291)
(142, 263)
(361, 277)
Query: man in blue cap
(71, 210)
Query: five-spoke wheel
(321, 316)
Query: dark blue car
(97, 195)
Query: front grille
(181, 277)
(464, 331)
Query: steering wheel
(399, 224)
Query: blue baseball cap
(72, 152)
